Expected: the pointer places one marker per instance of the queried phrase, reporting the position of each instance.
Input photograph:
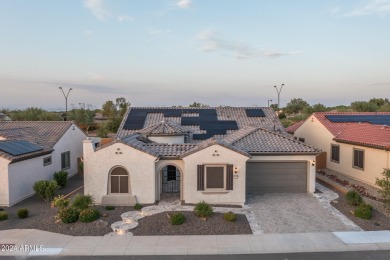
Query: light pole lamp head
(60, 87)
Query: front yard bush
(203, 209)
(353, 198)
(60, 201)
(45, 189)
(82, 202)
(109, 207)
(3, 215)
(384, 184)
(363, 211)
(137, 206)
(177, 218)
(89, 215)
(230, 216)
(22, 213)
(61, 178)
(69, 215)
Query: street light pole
(269, 101)
(66, 102)
(278, 91)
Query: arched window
(119, 181)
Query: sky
(175, 52)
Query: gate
(170, 179)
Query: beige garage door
(271, 177)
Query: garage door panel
(276, 177)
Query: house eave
(284, 153)
(379, 147)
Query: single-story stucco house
(214, 154)
(356, 144)
(33, 151)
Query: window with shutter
(229, 177)
(358, 159)
(200, 177)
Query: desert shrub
(82, 202)
(137, 206)
(89, 215)
(363, 211)
(353, 198)
(60, 201)
(384, 184)
(69, 215)
(45, 189)
(1, 209)
(109, 207)
(177, 218)
(22, 213)
(3, 215)
(203, 209)
(61, 178)
(230, 216)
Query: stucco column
(312, 176)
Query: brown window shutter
(229, 177)
(200, 177)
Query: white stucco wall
(4, 198)
(309, 159)
(205, 156)
(169, 139)
(316, 134)
(22, 175)
(139, 165)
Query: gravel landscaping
(160, 225)
(42, 217)
(380, 217)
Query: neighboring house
(33, 151)
(214, 154)
(4, 117)
(357, 144)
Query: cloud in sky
(213, 42)
(125, 18)
(371, 7)
(97, 8)
(184, 4)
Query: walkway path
(28, 242)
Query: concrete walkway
(30, 242)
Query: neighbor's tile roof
(292, 128)
(364, 134)
(263, 141)
(42, 133)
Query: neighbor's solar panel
(254, 112)
(372, 119)
(18, 147)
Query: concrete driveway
(298, 213)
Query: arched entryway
(170, 179)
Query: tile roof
(292, 128)
(164, 128)
(42, 133)
(364, 134)
(238, 114)
(263, 141)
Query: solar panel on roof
(18, 147)
(372, 119)
(254, 112)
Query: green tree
(363, 106)
(379, 101)
(84, 118)
(109, 109)
(34, 114)
(275, 107)
(296, 105)
(196, 104)
(114, 112)
(315, 108)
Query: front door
(170, 179)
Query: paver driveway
(294, 213)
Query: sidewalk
(27, 242)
